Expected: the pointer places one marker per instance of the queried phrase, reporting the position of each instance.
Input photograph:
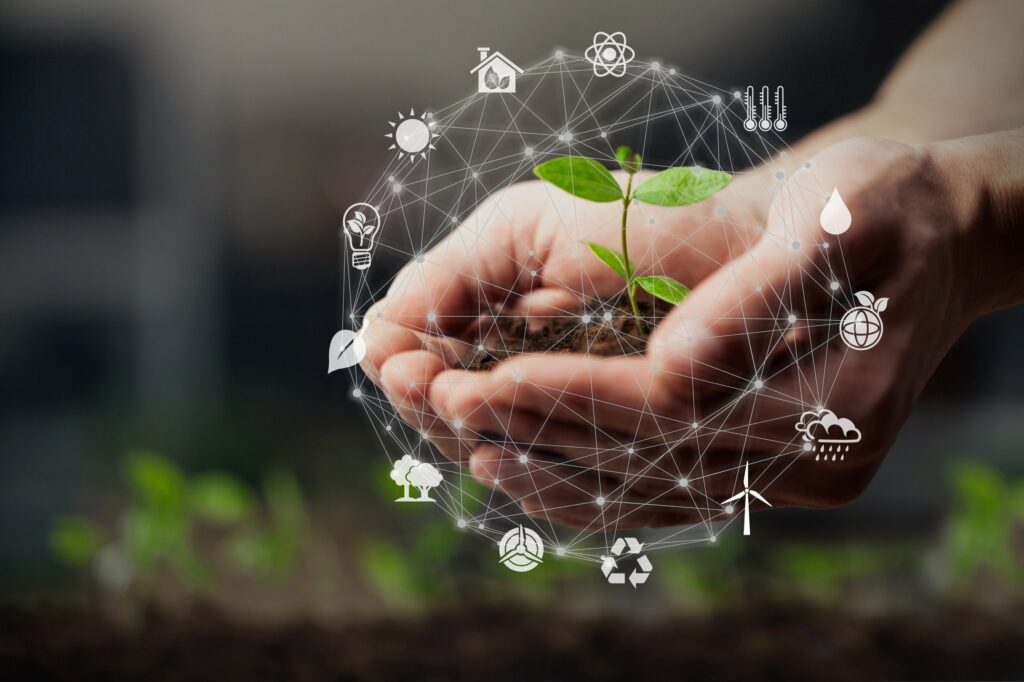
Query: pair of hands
(661, 439)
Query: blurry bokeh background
(172, 176)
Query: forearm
(985, 178)
(962, 77)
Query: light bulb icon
(361, 225)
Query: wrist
(983, 177)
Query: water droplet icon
(835, 217)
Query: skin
(937, 229)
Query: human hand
(441, 306)
(661, 439)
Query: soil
(510, 336)
(498, 644)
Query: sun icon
(412, 135)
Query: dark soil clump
(617, 336)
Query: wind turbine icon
(746, 495)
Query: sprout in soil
(588, 179)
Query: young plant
(588, 179)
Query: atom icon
(609, 54)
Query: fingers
(405, 379)
(618, 394)
(549, 489)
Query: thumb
(724, 334)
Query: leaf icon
(491, 79)
(355, 226)
(881, 304)
(504, 82)
(865, 298)
(359, 216)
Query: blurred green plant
(167, 509)
(704, 579)
(984, 535)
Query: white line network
(484, 144)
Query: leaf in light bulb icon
(362, 223)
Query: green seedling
(168, 508)
(588, 179)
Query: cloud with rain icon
(828, 433)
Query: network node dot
(683, 483)
(600, 501)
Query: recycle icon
(609, 565)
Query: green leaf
(74, 541)
(220, 497)
(287, 505)
(581, 177)
(681, 186)
(664, 287)
(391, 573)
(154, 480)
(629, 161)
(612, 259)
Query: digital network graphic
(442, 206)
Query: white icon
(412, 135)
(822, 429)
(362, 225)
(347, 349)
(771, 115)
(861, 326)
(835, 217)
(746, 495)
(495, 72)
(409, 472)
(610, 566)
(521, 550)
(609, 54)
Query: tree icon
(411, 472)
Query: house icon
(495, 72)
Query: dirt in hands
(605, 329)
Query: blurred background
(172, 176)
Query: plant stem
(630, 284)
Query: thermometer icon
(768, 112)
